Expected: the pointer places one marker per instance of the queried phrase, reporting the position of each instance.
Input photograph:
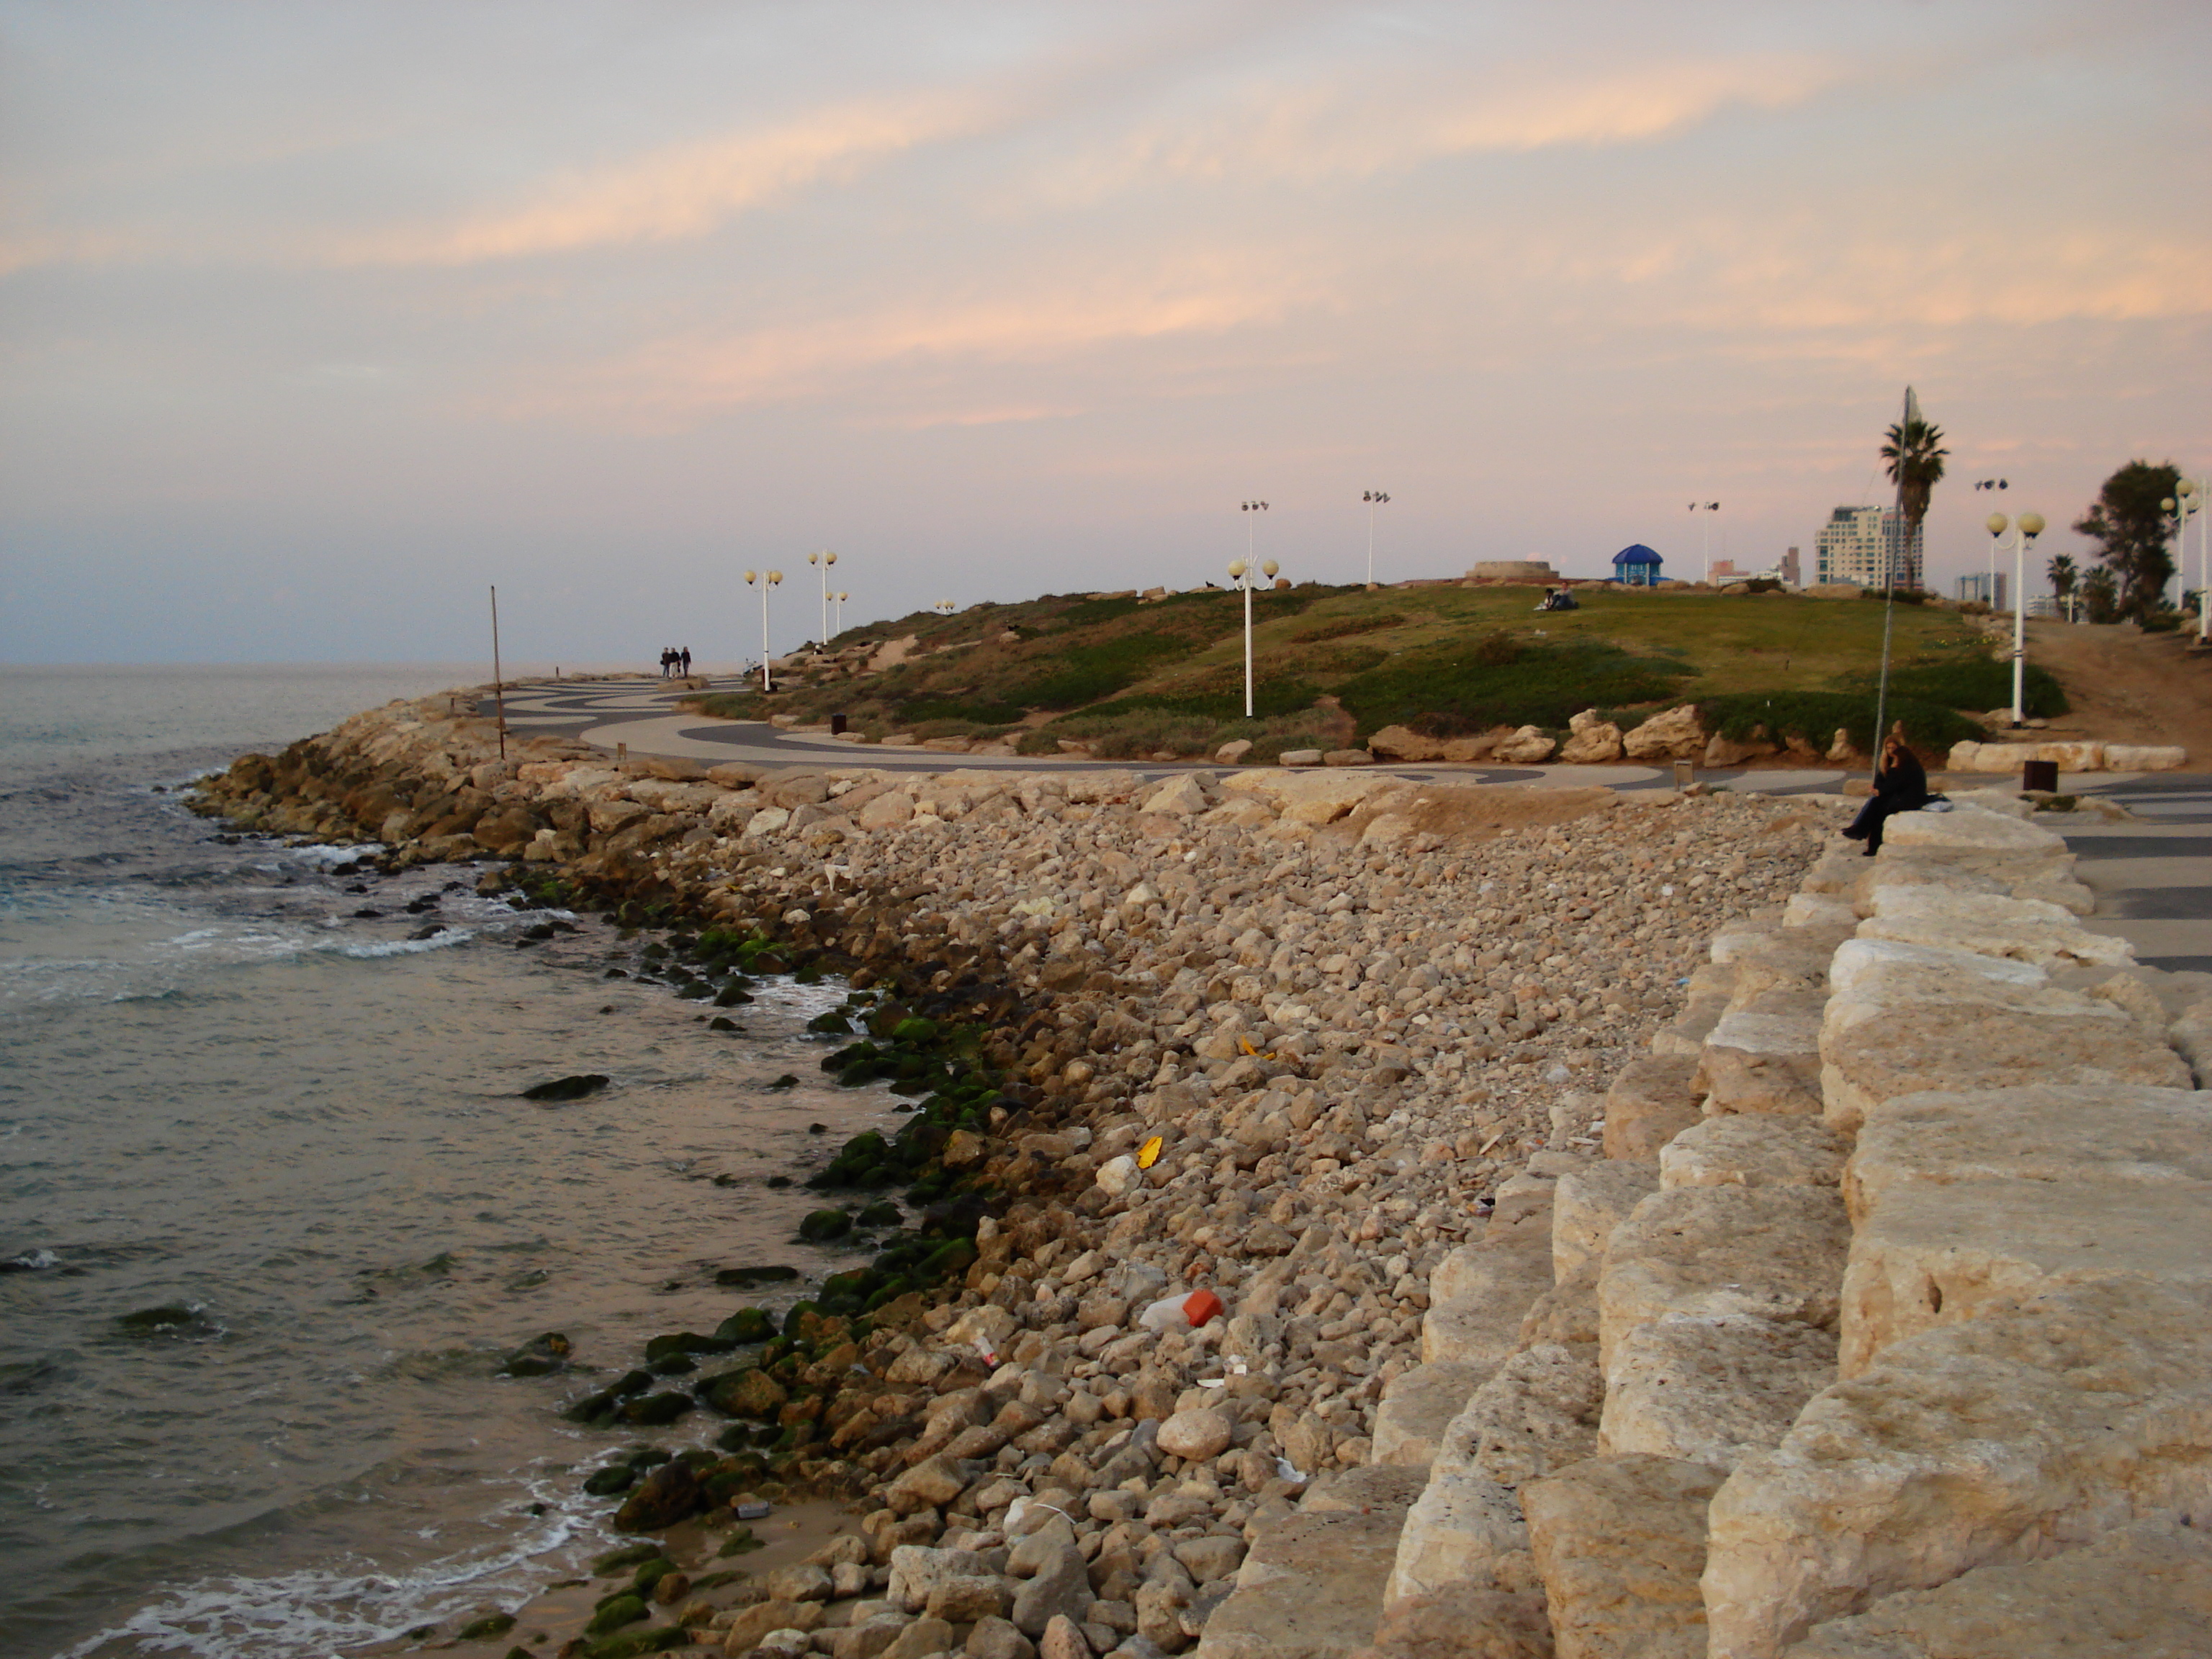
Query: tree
(2101, 595)
(2132, 530)
(1914, 452)
(2065, 578)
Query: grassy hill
(1130, 677)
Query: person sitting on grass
(1900, 785)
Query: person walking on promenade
(1900, 785)
(683, 655)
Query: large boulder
(1310, 1588)
(1673, 735)
(1526, 747)
(1540, 1413)
(1712, 1391)
(1592, 741)
(1416, 1407)
(1648, 1103)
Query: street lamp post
(2025, 529)
(838, 616)
(1374, 498)
(1707, 540)
(764, 579)
(944, 607)
(1247, 577)
(823, 560)
(2190, 502)
(1990, 591)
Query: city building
(1637, 566)
(1862, 545)
(1990, 589)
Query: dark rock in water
(431, 931)
(539, 1357)
(786, 1081)
(651, 1573)
(746, 1325)
(674, 1365)
(684, 1342)
(614, 1479)
(366, 914)
(568, 1088)
(615, 973)
(621, 1560)
(723, 1022)
(726, 1180)
(882, 1213)
(779, 1181)
(484, 1629)
(822, 1226)
(770, 1275)
(649, 1457)
(833, 1024)
(171, 1319)
(670, 1494)
(731, 996)
(654, 1411)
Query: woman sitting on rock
(1900, 785)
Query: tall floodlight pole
(1244, 576)
(1374, 498)
(764, 579)
(1707, 540)
(823, 560)
(1990, 592)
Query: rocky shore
(1333, 1047)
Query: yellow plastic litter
(1149, 1154)
(1245, 1043)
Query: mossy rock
(649, 1457)
(746, 1325)
(651, 1573)
(660, 1347)
(954, 1256)
(823, 1226)
(881, 1213)
(763, 1275)
(627, 1557)
(568, 1088)
(732, 996)
(610, 1481)
(628, 1643)
(484, 1629)
(786, 1081)
(833, 1024)
(615, 1613)
(674, 1365)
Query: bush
(1088, 673)
(1977, 682)
(1815, 716)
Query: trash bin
(2039, 775)
(1684, 772)
(836, 726)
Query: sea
(272, 1205)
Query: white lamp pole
(2024, 528)
(1247, 577)
(2190, 502)
(838, 599)
(1374, 498)
(764, 579)
(823, 560)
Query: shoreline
(1319, 1103)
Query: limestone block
(1961, 1047)
(1860, 964)
(1619, 1543)
(1588, 1205)
(1760, 1062)
(1754, 1151)
(1565, 1313)
(1686, 1032)
(1794, 959)
(2145, 758)
(1521, 1198)
(1594, 741)
(1465, 1622)
(1969, 829)
(1712, 1391)
(1415, 1408)
(2025, 930)
(1651, 1101)
(1991, 1441)
(1464, 1527)
(2144, 1590)
(1392, 1487)
(1892, 872)
(1741, 937)
(1927, 1254)
(1539, 1412)
(2087, 1135)
(1477, 1297)
(1180, 797)
(1310, 1588)
(1818, 909)
(1834, 873)
(1776, 1252)
(2067, 894)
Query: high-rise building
(1989, 588)
(1861, 545)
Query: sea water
(269, 1101)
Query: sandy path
(2128, 687)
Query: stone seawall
(1881, 1327)
(1350, 1009)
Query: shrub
(1343, 627)
(1977, 682)
(1504, 679)
(1088, 673)
(1815, 716)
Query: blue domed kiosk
(1636, 566)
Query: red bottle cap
(1199, 1306)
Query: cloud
(679, 192)
(873, 356)
(1356, 127)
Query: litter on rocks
(1180, 1313)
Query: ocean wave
(30, 1261)
(400, 947)
(315, 1612)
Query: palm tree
(1914, 452)
(2064, 578)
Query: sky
(319, 320)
